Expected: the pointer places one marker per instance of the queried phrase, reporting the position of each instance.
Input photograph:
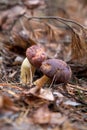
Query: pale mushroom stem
(27, 72)
(42, 81)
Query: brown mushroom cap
(57, 68)
(36, 55)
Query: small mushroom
(54, 69)
(35, 55)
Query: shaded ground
(18, 109)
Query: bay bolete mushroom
(35, 55)
(54, 69)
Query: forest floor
(19, 109)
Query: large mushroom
(35, 55)
(54, 69)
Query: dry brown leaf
(19, 42)
(78, 54)
(10, 15)
(3, 18)
(34, 101)
(23, 38)
(42, 93)
(78, 49)
(7, 103)
(68, 126)
(44, 116)
(53, 32)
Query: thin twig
(56, 17)
(72, 96)
(77, 87)
(11, 85)
(11, 93)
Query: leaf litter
(55, 107)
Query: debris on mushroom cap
(58, 69)
(36, 55)
(32, 3)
